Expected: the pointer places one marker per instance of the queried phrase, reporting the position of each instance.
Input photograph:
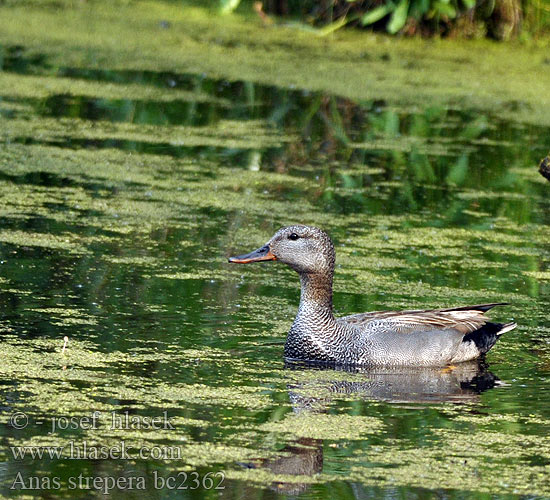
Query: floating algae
(492, 462)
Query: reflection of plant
(363, 154)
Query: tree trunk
(505, 20)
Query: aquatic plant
(498, 18)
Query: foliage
(228, 5)
(499, 19)
(537, 16)
(398, 13)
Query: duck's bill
(259, 255)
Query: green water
(123, 192)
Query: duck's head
(306, 249)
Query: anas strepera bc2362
(421, 337)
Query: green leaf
(227, 6)
(444, 9)
(419, 8)
(399, 17)
(458, 172)
(337, 124)
(470, 4)
(475, 128)
(336, 25)
(391, 123)
(376, 14)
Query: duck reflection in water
(414, 386)
(461, 383)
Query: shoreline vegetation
(496, 19)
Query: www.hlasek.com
(81, 450)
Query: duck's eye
(293, 236)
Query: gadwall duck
(436, 337)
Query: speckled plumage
(421, 337)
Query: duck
(423, 337)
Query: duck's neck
(316, 297)
(314, 326)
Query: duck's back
(425, 337)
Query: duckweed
(329, 427)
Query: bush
(500, 19)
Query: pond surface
(123, 193)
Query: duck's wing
(463, 320)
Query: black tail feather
(486, 336)
(478, 307)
